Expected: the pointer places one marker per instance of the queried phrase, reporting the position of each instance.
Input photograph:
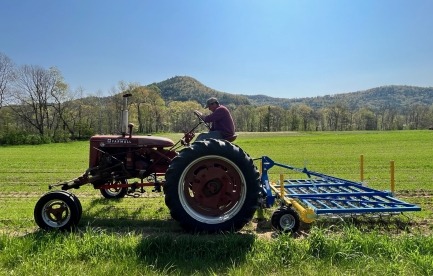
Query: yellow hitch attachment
(307, 215)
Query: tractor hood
(133, 141)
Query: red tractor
(209, 185)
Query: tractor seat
(231, 138)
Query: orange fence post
(281, 186)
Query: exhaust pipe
(124, 124)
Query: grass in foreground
(137, 236)
(322, 252)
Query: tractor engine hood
(130, 141)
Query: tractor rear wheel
(212, 186)
(57, 210)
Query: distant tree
(386, 114)
(6, 77)
(263, 118)
(267, 119)
(8, 121)
(270, 118)
(94, 115)
(278, 118)
(430, 117)
(337, 116)
(149, 107)
(244, 117)
(365, 119)
(306, 115)
(61, 102)
(317, 119)
(181, 115)
(417, 117)
(293, 119)
(34, 91)
(80, 116)
(112, 108)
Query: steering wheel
(201, 119)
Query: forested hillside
(189, 89)
(396, 96)
(45, 110)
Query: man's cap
(211, 101)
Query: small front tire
(77, 202)
(57, 210)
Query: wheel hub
(56, 212)
(213, 187)
(287, 221)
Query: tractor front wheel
(212, 186)
(77, 203)
(57, 210)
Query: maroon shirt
(222, 121)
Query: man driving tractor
(222, 125)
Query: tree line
(37, 106)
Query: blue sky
(287, 48)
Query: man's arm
(217, 115)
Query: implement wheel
(212, 186)
(57, 210)
(285, 220)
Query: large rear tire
(212, 186)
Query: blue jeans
(211, 134)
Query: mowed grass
(333, 153)
(338, 154)
(137, 236)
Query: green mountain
(184, 88)
(396, 96)
(189, 89)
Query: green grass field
(137, 236)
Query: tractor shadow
(168, 253)
(189, 254)
(127, 215)
(163, 244)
